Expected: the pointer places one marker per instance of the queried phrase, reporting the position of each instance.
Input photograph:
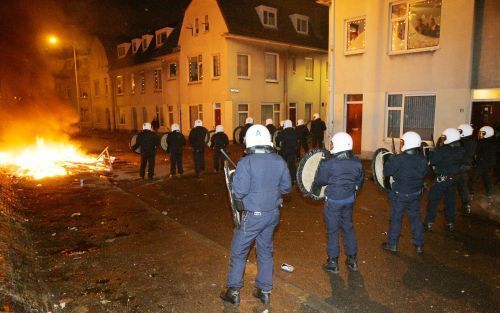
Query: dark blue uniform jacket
(175, 141)
(197, 137)
(470, 145)
(260, 180)
(287, 139)
(318, 127)
(219, 141)
(487, 151)
(448, 159)
(408, 171)
(341, 176)
(302, 132)
(148, 142)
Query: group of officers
(262, 177)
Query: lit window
(243, 64)
(195, 68)
(143, 82)
(172, 70)
(119, 85)
(355, 30)
(242, 113)
(407, 112)
(415, 25)
(132, 83)
(309, 65)
(271, 64)
(216, 66)
(157, 79)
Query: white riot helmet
(341, 142)
(300, 122)
(315, 116)
(450, 135)
(198, 123)
(486, 132)
(287, 124)
(146, 126)
(410, 140)
(258, 135)
(269, 121)
(219, 129)
(249, 120)
(465, 130)
(175, 127)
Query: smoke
(29, 106)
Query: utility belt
(444, 177)
(408, 194)
(258, 213)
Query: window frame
(119, 85)
(157, 79)
(171, 115)
(214, 56)
(309, 78)
(143, 81)
(170, 76)
(277, 67)
(199, 69)
(249, 62)
(242, 111)
(206, 25)
(297, 28)
(346, 35)
(268, 11)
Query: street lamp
(53, 40)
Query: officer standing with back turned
(197, 137)
(470, 145)
(259, 181)
(408, 170)
(148, 142)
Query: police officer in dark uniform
(408, 170)
(259, 181)
(302, 135)
(248, 124)
(470, 145)
(175, 142)
(219, 141)
(270, 126)
(487, 149)
(446, 161)
(318, 128)
(148, 142)
(287, 139)
(197, 138)
(343, 175)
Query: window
(132, 83)
(407, 112)
(242, 113)
(415, 25)
(309, 65)
(121, 52)
(172, 70)
(119, 85)
(121, 113)
(206, 26)
(84, 90)
(196, 26)
(195, 68)
(134, 46)
(243, 64)
(144, 115)
(307, 112)
(144, 44)
(355, 35)
(143, 82)
(171, 114)
(157, 79)
(200, 112)
(161, 38)
(276, 113)
(271, 64)
(302, 26)
(216, 66)
(268, 16)
(97, 88)
(159, 115)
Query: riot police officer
(175, 143)
(302, 135)
(219, 141)
(287, 139)
(148, 141)
(408, 170)
(446, 161)
(248, 124)
(260, 179)
(343, 175)
(318, 128)
(487, 148)
(270, 126)
(197, 137)
(470, 144)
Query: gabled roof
(242, 19)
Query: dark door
(217, 117)
(354, 122)
(292, 113)
(485, 113)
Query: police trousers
(486, 172)
(446, 189)
(199, 160)
(218, 160)
(305, 146)
(149, 160)
(338, 215)
(317, 141)
(291, 160)
(463, 186)
(410, 202)
(255, 227)
(176, 162)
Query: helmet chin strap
(260, 149)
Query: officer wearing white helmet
(343, 176)
(219, 141)
(197, 137)
(148, 141)
(175, 143)
(287, 140)
(470, 145)
(261, 178)
(270, 126)
(447, 162)
(302, 135)
(487, 148)
(248, 124)
(318, 128)
(408, 170)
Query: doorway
(292, 112)
(485, 113)
(217, 114)
(354, 120)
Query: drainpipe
(285, 84)
(331, 57)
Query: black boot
(427, 226)
(264, 296)
(466, 208)
(388, 247)
(419, 249)
(449, 227)
(332, 265)
(231, 295)
(352, 262)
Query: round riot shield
(236, 135)
(306, 173)
(209, 136)
(133, 140)
(276, 144)
(379, 158)
(164, 143)
(236, 205)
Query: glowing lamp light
(53, 40)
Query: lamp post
(53, 40)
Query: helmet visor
(482, 134)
